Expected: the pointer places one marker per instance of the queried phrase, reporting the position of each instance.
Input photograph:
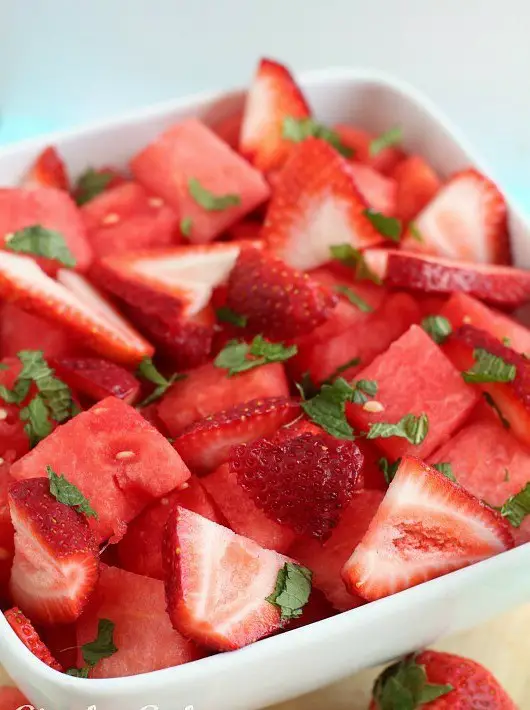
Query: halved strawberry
(207, 390)
(425, 527)
(416, 185)
(379, 192)
(97, 378)
(56, 562)
(466, 220)
(359, 141)
(217, 583)
(23, 628)
(48, 170)
(273, 96)
(501, 286)
(206, 444)
(316, 204)
(277, 300)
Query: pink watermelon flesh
(140, 551)
(490, 463)
(117, 460)
(189, 150)
(143, 634)
(242, 514)
(11, 698)
(326, 561)
(414, 377)
(50, 208)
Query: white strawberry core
(259, 108)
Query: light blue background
(67, 62)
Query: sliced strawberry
(208, 390)
(416, 185)
(316, 204)
(425, 527)
(501, 286)
(12, 699)
(96, 378)
(466, 220)
(48, 170)
(273, 96)
(30, 638)
(378, 191)
(206, 444)
(229, 129)
(140, 551)
(359, 141)
(277, 300)
(246, 229)
(56, 561)
(7, 547)
(217, 583)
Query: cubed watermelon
(143, 634)
(191, 151)
(118, 461)
(414, 377)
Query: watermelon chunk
(50, 208)
(117, 460)
(143, 634)
(490, 463)
(414, 377)
(189, 150)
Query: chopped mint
(445, 468)
(404, 686)
(38, 241)
(38, 425)
(388, 469)
(438, 327)
(517, 507)
(328, 408)
(389, 138)
(91, 184)
(94, 651)
(298, 129)
(186, 225)
(415, 232)
(388, 227)
(354, 298)
(209, 201)
(65, 492)
(363, 391)
(149, 372)
(227, 315)
(239, 356)
(354, 258)
(413, 429)
(489, 368)
(292, 590)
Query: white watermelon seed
(156, 202)
(3, 414)
(121, 455)
(111, 218)
(373, 406)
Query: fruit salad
(269, 371)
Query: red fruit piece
(462, 309)
(359, 141)
(30, 638)
(126, 218)
(413, 376)
(327, 560)
(189, 154)
(378, 191)
(206, 444)
(246, 229)
(416, 185)
(117, 460)
(14, 441)
(7, 548)
(316, 204)
(96, 378)
(217, 583)
(466, 220)
(277, 300)
(11, 698)
(207, 390)
(48, 170)
(142, 634)
(229, 128)
(305, 482)
(56, 562)
(51, 209)
(140, 551)
(105, 178)
(62, 641)
(273, 96)
(425, 527)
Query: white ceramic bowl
(299, 661)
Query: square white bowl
(277, 668)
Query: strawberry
(425, 527)
(246, 229)
(48, 170)
(501, 286)
(277, 300)
(316, 204)
(7, 548)
(378, 191)
(206, 444)
(272, 97)
(23, 628)
(359, 141)
(229, 128)
(416, 185)
(56, 555)
(97, 378)
(466, 220)
(303, 482)
(207, 390)
(217, 583)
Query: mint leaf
(38, 241)
(506, 341)
(37, 426)
(90, 185)
(517, 507)
(388, 227)
(404, 686)
(238, 356)
(65, 492)
(149, 372)
(354, 298)
(227, 315)
(445, 468)
(388, 469)
(489, 368)
(328, 408)
(363, 391)
(55, 393)
(292, 590)
(79, 672)
(209, 201)
(413, 429)
(354, 258)
(489, 399)
(438, 327)
(94, 651)
(18, 394)
(415, 232)
(298, 129)
(186, 224)
(389, 138)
